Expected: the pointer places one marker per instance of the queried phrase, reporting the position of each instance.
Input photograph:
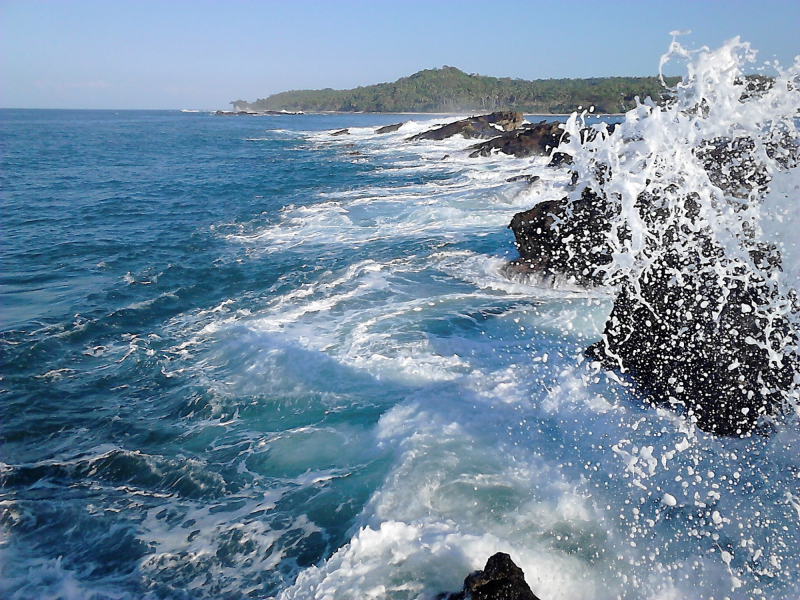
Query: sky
(202, 54)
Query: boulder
(691, 343)
(552, 243)
(389, 128)
(484, 126)
(526, 177)
(559, 159)
(341, 132)
(500, 579)
(700, 343)
(538, 139)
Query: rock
(528, 178)
(389, 128)
(733, 167)
(484, 126)
(533, 140)
(500, 579)
(701, 345)
(541, 235)
(238, 113)
(696, 330)
(254, 113)
(689, 345)
(341, 132)
(559, 159)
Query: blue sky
(203, 54)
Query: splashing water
(711, 176)
(700, 198)
(337, 393)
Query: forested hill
(450, 90)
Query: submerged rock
(389, 128)
(532, 140)
(484, 126)
(341, 132)
(526, 177)
(500, 579)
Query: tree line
(451, 90)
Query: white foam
(495, 434)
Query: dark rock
(235, 113)
(528, 178)
(553, 243)
(341, 132)
(696, 330)
(694, 341)
(689, 345)
(733, 167)
(389, 128)
(484, 126)
(533, 140)
(280, 112)
(559, 159)
(254, 113)
(500, 579)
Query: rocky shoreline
(695, 329)
(687, 343)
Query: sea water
(243, 358)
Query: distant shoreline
(449, 89)
(442, 114)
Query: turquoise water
(242, 358)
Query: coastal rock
(559, 239)
(527, 177)
(341, 132)
(694, 345)
(697, 329)
(254, 113)
(533, 140)
(559, 159)
(484, 126)
(702, 345)
(389, 128)
(500, 579)
(235, 113)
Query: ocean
(243, 358)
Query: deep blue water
(232, 347)
(115, 225)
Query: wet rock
(500, 579)
(732, 166)
(484, 126)
(555, 244)
(532, 140)
(559, 159)
(691, 343)
(389, 128)
(235, 113)
(528, 178)
(341, 132)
